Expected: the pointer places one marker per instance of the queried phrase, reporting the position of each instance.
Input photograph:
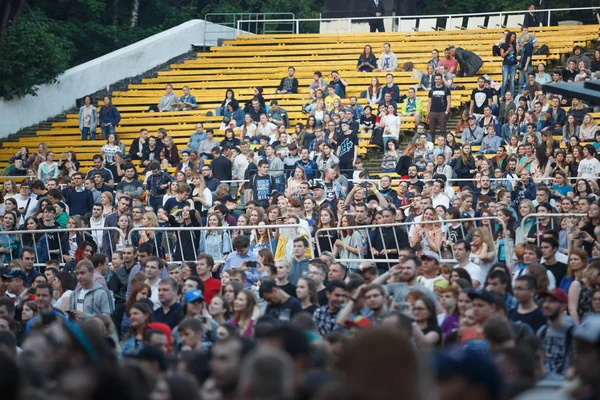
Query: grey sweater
(97, 301)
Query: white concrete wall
(97, 74)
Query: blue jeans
(85, 132)
(508, 73)
(107, 130)
(523, 76)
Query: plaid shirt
(155, 181)
(325, 320)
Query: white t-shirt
(589, 168)
(475, 271)
(80, 299)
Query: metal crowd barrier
(173, 241)
(557, 227)
(409, 228)
(47, 247)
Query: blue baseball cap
(16, 273)
(192, 296)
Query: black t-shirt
(173, 207)
(288, 288)
(480, 97)
(535, 319)
(347, 144)
(284, 311)
(311, 309)
(308, 138)
(262, 186)
(369, 122)
(559, 270)
(329, 191)
(439, 101)
(322, 297)
(327, 240)
(511, 57)
(130, 188)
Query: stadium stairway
(262, 60)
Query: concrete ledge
(101, 72)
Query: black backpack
(542, 51)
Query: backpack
(542, 51)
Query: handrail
(508, 251)
(90, 230)
(242, 15)
(553, 215)
(405, 17)
(170, 246)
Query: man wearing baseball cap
(430, 277)
(17, 286)
(557, 336)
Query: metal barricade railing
(409, 229)
(545, 16)
(555, 216)
(48, 243)
(175, 242)
(226, 26)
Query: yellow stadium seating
(262, 60)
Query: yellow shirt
(329, 102)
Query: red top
(211, 287)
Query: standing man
(438, 107)
(462, 251)
(157, 185)
(90, 299)
(527, 312)
(557, 335)
(325, 317)
(170, 312)
(375, 9)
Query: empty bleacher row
(262, 60)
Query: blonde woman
(9, 190)
(580, 292)
(150, 220)
(483, 250)
(428, 237)
(201, 196)
(588, 129)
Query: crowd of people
(269, 260)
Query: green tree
(30, 55)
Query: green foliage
(30, 55)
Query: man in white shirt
(152, 271)
(589, 167)
(97, 221)
(438, 196)
(462, 251)
(26, 202)
(387, 61)
(266, 128)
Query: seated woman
(374, 92)
(187, 101)
(588, 129)
(391, 157)
(367, 62)
(234, 116)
